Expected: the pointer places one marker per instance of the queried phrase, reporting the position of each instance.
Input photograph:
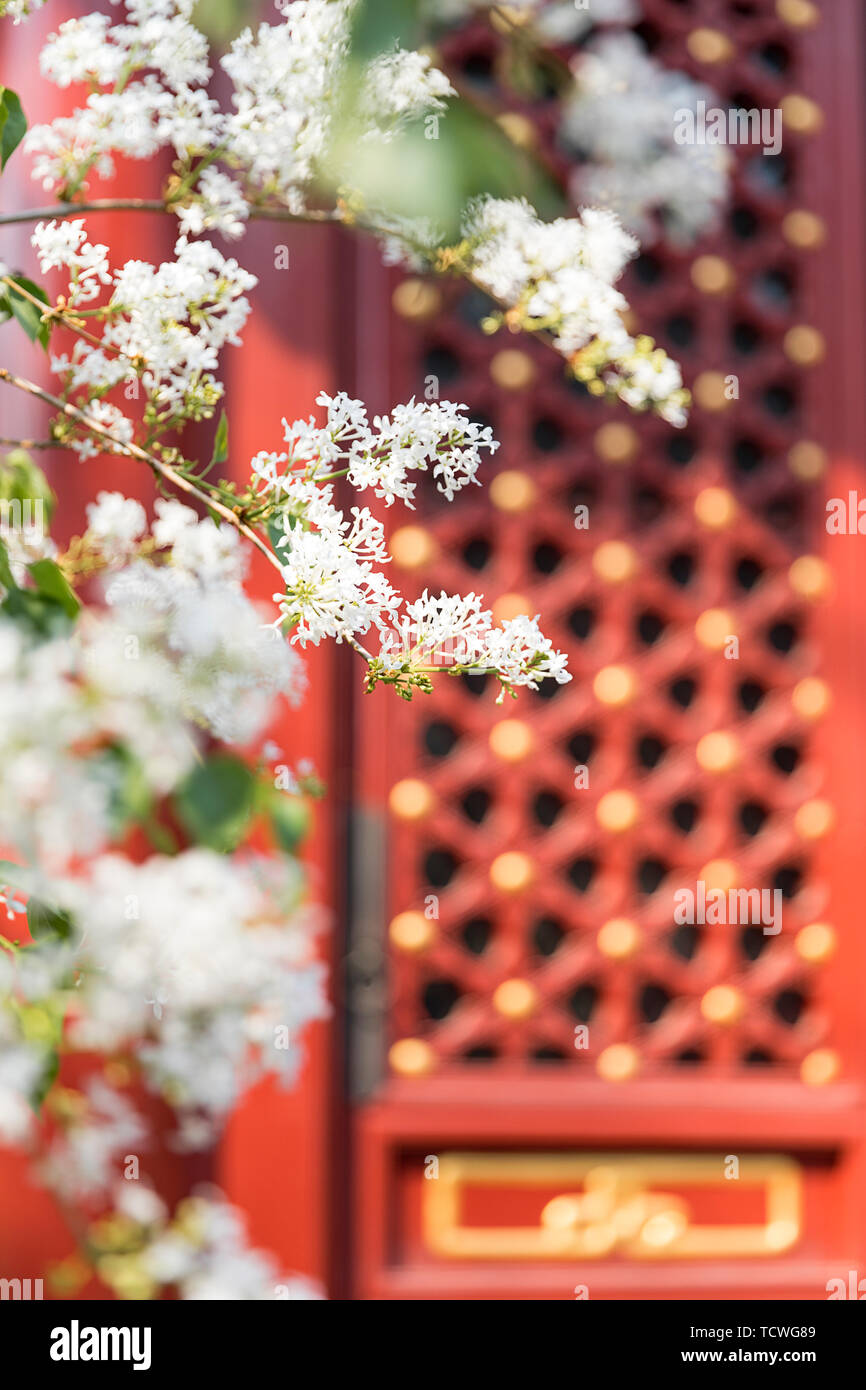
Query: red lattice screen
(536, 993)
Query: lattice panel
(550, 835)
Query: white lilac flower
(85, 1157)
(21, 1067)
(164, 325)
(218, 205)
(201, 650)
(401, 86)
(203, 963)
(19, 9)
(329, 592)
(203, 1252)
(437, 436)
(621, 116)
(64, 245)
(454, 630)
(115, 524)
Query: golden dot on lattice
(511, 740)
(800, 14)
(811, 697)
(715, 508)
(511, 871)
(619, 938)
(709, 45)
(615, 686)
(512, 491)
(718, 751)
(616, 442)
(519, 128)
(809, 576)
(412, 931)
(820, 1067)
(816, 942)
(411, 799)
(512, 606)
(807, 460)
(619, 1062)
(512, 369)
(714, 627)
(803, 229)
(712, 275)
(617, 811)
(720, 873)
(515, 999)
(412, 547)
(710, 391)
(801, 114)
(804, 345)
(722, 1004)
(614, 562)
(814, 818)
(412, 1057)
(416, 299)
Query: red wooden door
(558, 1090)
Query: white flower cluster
(559, 277)
(620, 116)
(400, 87)
(180, 642)
(201, 1250)
(162, 325)
(17, 10)
(182, 637)
(82, 1158)
(286, 92)
(455, 630)
(332, 585)
(200, 962)
(21, 1068)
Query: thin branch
(62, 210)
(29, 443)
(165, 471)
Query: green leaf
(40, 615)
(51, 582)
(22, 480)
(5, 572)
(38, 330)
(290, 820)
(46, 922)
(215, 804)
(221, 441)
(13, 124)
(129, 796)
